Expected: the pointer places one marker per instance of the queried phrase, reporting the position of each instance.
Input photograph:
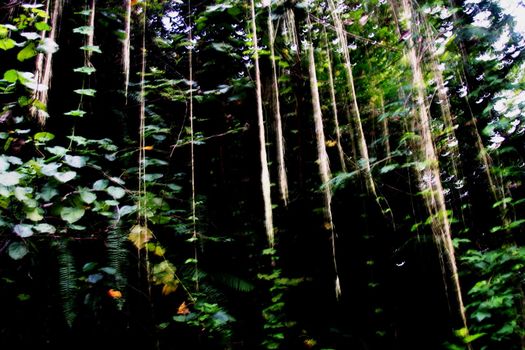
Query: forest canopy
(275, 174)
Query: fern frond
(117, 256)
(67, 277)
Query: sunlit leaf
(45, 228)
(43, 136)
(23, 230)
(85, 70)
(140, 235)
(27, 52)
(10, 178)
(86, 92)
(7, 43)
(76, 113)
(87, 196)
(66, 176)
(116, 192)
(72, 215)
(75, 161)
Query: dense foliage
(277, 174)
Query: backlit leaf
(27, 52)
(140, 235)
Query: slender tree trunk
(324, 167)
(126, 45)
(429, 177)
(265, 174)
(334, 106)
(361, 140)
(283, 181)
(44, 63)
(384, 128)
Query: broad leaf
(75, 161)
(116, 192)
(72, 215)
(140, 235)
(7, 43)
(27, 52)
(65, 177)
(17, 250)
(23, 230)
(10, 179)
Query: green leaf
(27, 52)
(86, 92)
(91, 48)
(388, 168)
(90, 266)
(72, 215)
(17, 250)
(10, 179)
(471, 338)
(35, 214)
(127, 209)
(50, 169)
(43, 136)
(116, 192)
(45, 228)
(48, 193)
(47, 46)
(76, 113)
(66, 176)
(11, 75)
(30, 35)
(23, 230)
(41, 26)
(87, 197)
(57, 150)
(85, 70)
(7, 43)
(75, 161)
(86, 30)
(100, 185)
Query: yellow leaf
(140, 235)
(331, 143)
(170, 288)
(159, 251)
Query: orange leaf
(147, 148)
(115, 294)
(183, 309)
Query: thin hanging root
(192, 149)
(283, 181)
(429, 179)
(384, 129)
(265, 174)
(126, 47)
(361, 142)
(324, 166)
(44, 62)
(334, 105)
(142, 190)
